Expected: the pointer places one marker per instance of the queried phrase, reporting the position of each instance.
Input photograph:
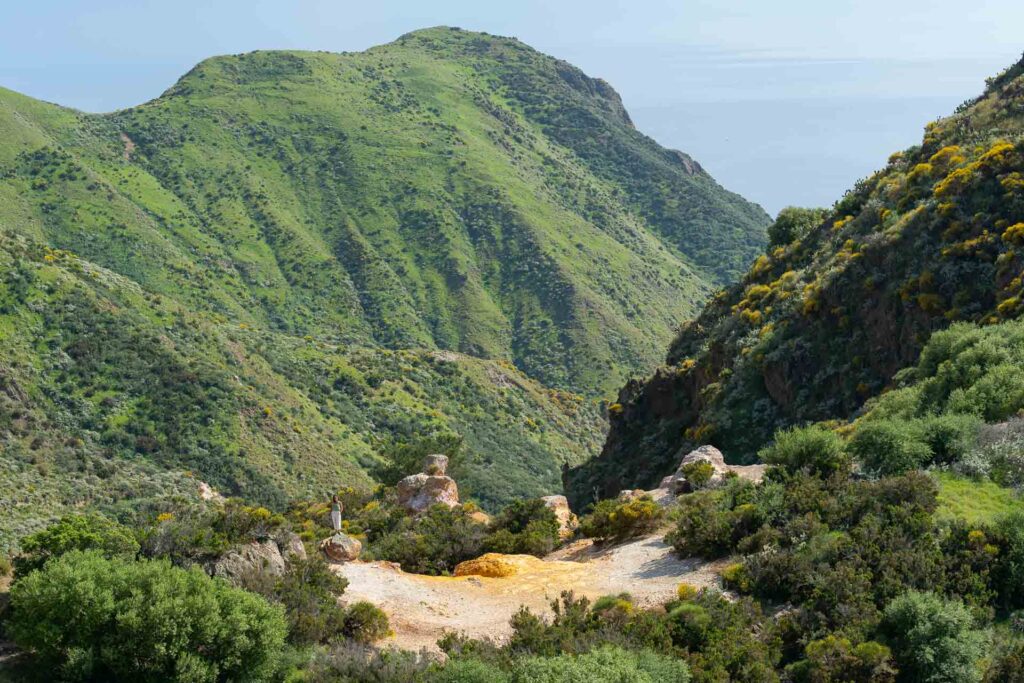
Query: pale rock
(436, 464)
(567, 521)
(627, 495)
(341, 548)
(418, 492)
(257, 556)
(292, 546)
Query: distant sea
(784, 130)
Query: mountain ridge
(448, 195)
(823, 323)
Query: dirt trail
(422, 608)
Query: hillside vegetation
(291, 264)
(826, 318)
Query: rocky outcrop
(436, 465)
(567, 521)
(209, 494)
(628, 495)
(676, 483)
(291, 546)
(341, 548)
(418, 492)
(258, 556)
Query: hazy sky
(784, 101)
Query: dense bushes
(815, 449)
(894, 445)
(116, 619)
(793, 223)
(933, 640)
(75, 532)
(432, 543)
(308, 591)
(890, 447)
(524, 526)
(617, 520)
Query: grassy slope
(975, 502)
(448, 190)
(113, 396)
(819, 326)
(252, 277)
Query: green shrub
(308, 591)
(834, 658)
(950, 437)
(1008, 574)
(74, 532)
(433, 543)
(815, 449)
(889, 447)
(6, 566)
(524, 526)
(468, 671)
(602, 665)
(933, 640)
(793, 223)
(365, 623)
(91, 617)
(698, 473)
(615, 520)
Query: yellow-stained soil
(422, 608)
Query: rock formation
(676, 482)
(417, 492)
(567, 521)
(436, 464)
(341, 548)
(258, 556)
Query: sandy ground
(422, 608)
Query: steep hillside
(449, 190)
(116, 397)
(823, 322)
(291, 263)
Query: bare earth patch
(422, 608)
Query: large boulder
(436, 464)
(706, 453)
(341, 548)
(258, 556)
(291, 546)
(418, 492)
(629, 495)
(567, 522)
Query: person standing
(336, 507)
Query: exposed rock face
(567, 522)
(208, 493)
(708, 454)
(341, 548)
(416, 493)
(258, 556)
(676, 482)
(292, 546)
(631, 494)
(436, 465)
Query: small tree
(816, 449)
(74, 532)
(933, 640)
(116, 619)
(890, 447)
(792, 223)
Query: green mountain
(292, 262)
(828, 316)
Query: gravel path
(422, 608)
